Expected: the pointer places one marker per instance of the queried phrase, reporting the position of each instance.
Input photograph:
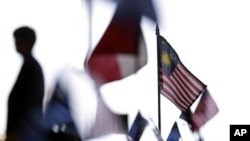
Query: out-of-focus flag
(178, 84)
(108, 122)
(58, 121)
(205, 110)
(138, 127)
(74, 94)
(174, 134)
(143, 7)
(121, 50)
(186, 116)
(144, 125)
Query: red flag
(121, 51)
(206, 109)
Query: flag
(69, 108)
(121, 50)
(137, 127)
(58, 121)
(107, 122)
(143, 7)
(178, 84)
(205, 110)
(174, 134)
(186, 116)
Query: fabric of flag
(57, 116)
(137, 127)
(121, 51)
(143, 7)
(178, 84)
(108, 122)
(77, 101)
(206, 109)
(174, 134)
(186, 116)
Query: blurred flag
(121, 51)
(143, 7)
(138, 127)
(108, 122)
(174, 134)
(178, 84)
(205, 110)
(186, 116)
(57, 119)
(69, 109)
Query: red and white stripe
(115, 66)
(182, 87)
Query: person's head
(24, 39)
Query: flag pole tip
(157, 31)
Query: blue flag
(137, 7)
(138, 127)
(174, 133)
(186, 115)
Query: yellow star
(166, 59)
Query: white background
(211, 38)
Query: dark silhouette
(25, 117)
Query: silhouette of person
(25, 116)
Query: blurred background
(210, 37)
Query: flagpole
(200, 137)
(158, 77)
(89, 7)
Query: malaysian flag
(178, 84)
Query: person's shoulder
(32, 65)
